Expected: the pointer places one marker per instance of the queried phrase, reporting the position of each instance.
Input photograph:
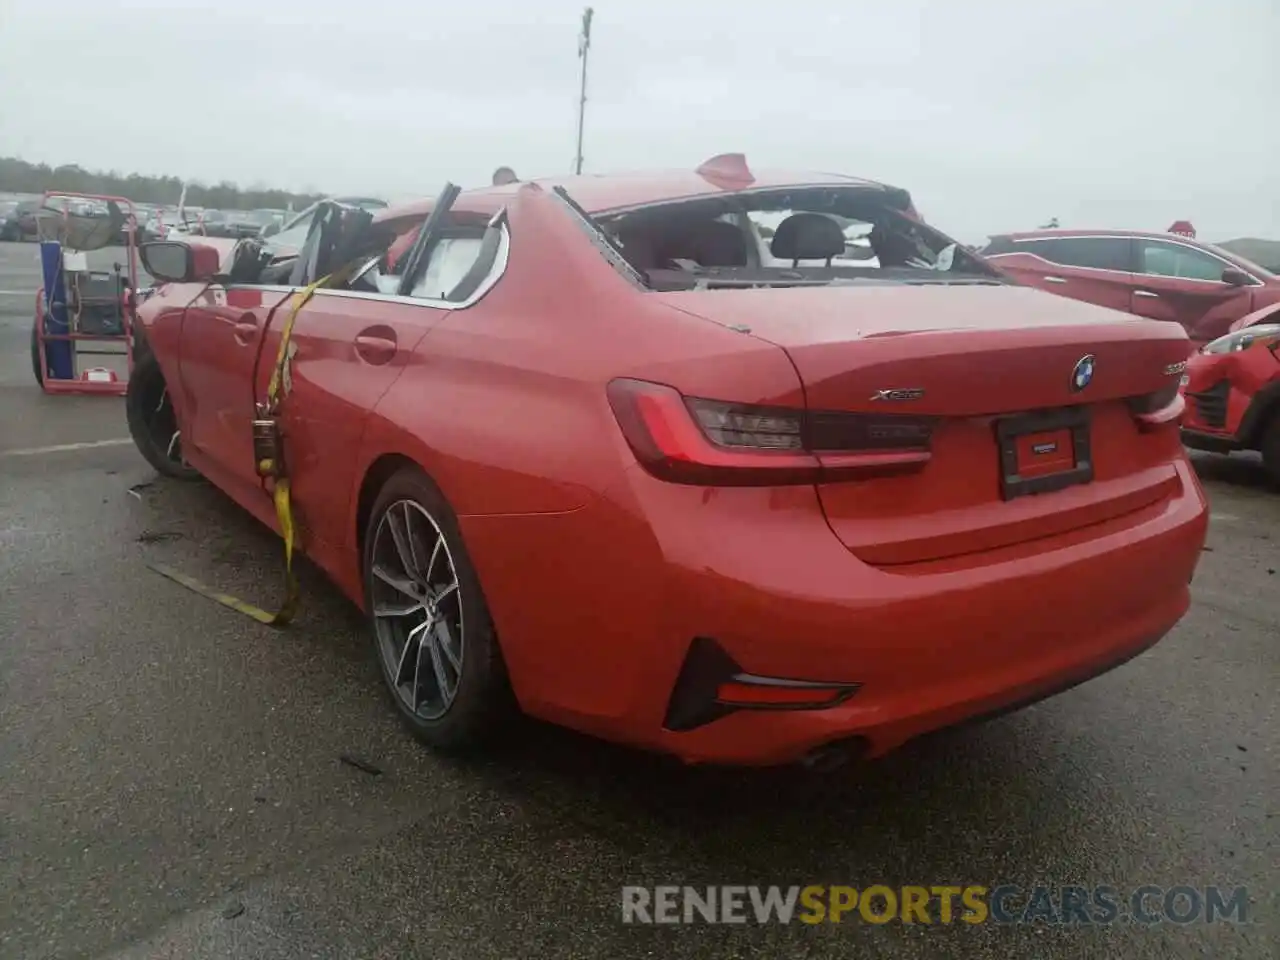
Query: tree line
(19, 176)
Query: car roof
(1064, 233)
(601, 193)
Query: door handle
(1146, 293)
(1054, 280)
(375, 349)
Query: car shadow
(1236, 469)
(969, 784)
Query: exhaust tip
(832, 756)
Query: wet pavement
(173, 781)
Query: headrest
(639, 249)
(709, 243)
(719, 244)
(807, 236)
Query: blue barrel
(59, 355)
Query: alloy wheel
(417, 610)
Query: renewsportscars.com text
(971, 904)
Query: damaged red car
(746, 468)
(1233, 389)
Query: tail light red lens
(711, 442)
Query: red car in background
(1233, 389)
(1155, 275)
(582, 445)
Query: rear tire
(432, 634)
(152, 421)
(37, 369)
(1270, 447)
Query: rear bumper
(759, 572)
(934, 650)
(878, 725)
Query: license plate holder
(1033, 451)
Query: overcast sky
(996, 114)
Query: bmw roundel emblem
(1082, 375)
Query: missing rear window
(789, 237)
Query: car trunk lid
(1021, 448)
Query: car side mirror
(1235, 278)
(174, 261)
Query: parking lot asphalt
(173, 781)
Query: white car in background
(169, 223)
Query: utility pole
(584, 45)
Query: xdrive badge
(911, 393)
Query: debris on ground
(233, 911)
(157, 536)
(362, 765)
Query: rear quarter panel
(504, 406)
(504, 402)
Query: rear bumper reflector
(711, 685)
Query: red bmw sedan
(655, 457)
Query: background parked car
(237, 224)
(1156, 275)
(19, 222)
(1232, 387)
(6, 207)
(167, 220)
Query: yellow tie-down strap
(288, 609)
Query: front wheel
(431, 628)
(152, 421)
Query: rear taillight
(714, 443)
(1159, 408)
(748, 428)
